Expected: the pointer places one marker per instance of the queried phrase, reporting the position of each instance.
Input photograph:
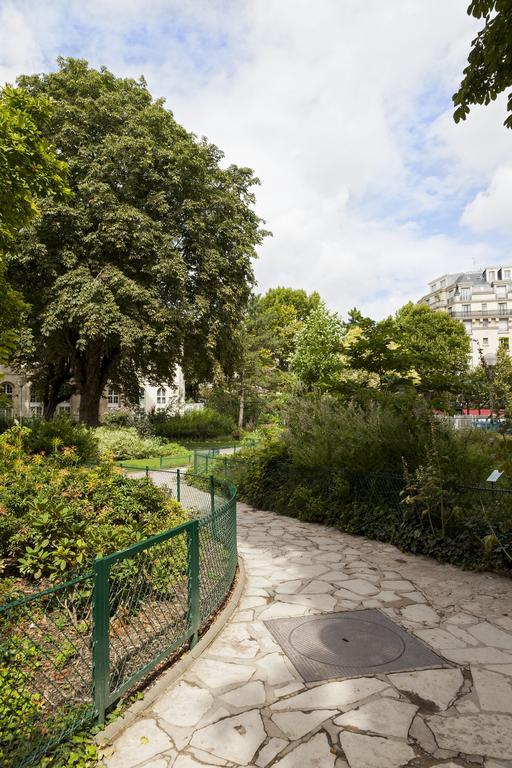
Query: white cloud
(343, 110)
(491, 209)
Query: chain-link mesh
(69, 652)
(148, 607)
(45, 670)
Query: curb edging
(171, 675)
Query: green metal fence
(68, 653)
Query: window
(467, 326)
(161, 396)
(503, 325)
(491, 275)
(501, 291)
(112, 397)
(485, 341)
(503, 342)
(506, 274)
(484, 307)
(485, 322)
(7, 390)
(443, 283)
(465, 294)
(466, 308)
(64, 408)
(502, 307)
(36, 411)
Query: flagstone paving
(243, 704)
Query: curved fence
(68, 653)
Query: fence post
(194, 615)
(195, 461)
(212, 494)
(206, 465)
(178, 490)
(147, 471)
(225, 468)
(100, 637)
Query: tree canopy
(489, 69)
(417, 348)
(266, 340)
(148, 263)
(28, 168)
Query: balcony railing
(481, 313)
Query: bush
(49, 437)
(405, 480)
(126, 443)
(194, 425)
(56, 517)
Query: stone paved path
(243, 704)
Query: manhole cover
(350, 643)
(342, 638)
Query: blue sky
(342, 108)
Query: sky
(341, 107)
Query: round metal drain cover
(343, 641)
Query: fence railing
(68, 653)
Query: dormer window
(506, 274)
(491, 275)
(465, 294)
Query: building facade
(23, 402)
(482, 301)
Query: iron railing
(69, 653)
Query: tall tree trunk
(89, 411)
(242, 402)
(92, 372)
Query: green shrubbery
(126, 443)
(49, 437)
(389, 471)
(194, 425)
(56, 517)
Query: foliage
(57, 517)
(418, 349)
(193, 425)
(317, 361)
(53, 436)
(28, 168)
(489, 69)
(126, 443)
(387, 470)
(437, 345)
(149, 262)
(266, 342)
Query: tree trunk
(89, 411)
(242, 403)
(92, 372)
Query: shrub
(52, 436)
(195, 425)
(56, 517)
(126, 443)
(407, 481)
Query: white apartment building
(24, 403)
(482, 301)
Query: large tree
(489, 69)
(149, 262)
(266, 341)
(318, 360)
(28, 168)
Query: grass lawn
(218, 442)
(179, 460)
(157, 462)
